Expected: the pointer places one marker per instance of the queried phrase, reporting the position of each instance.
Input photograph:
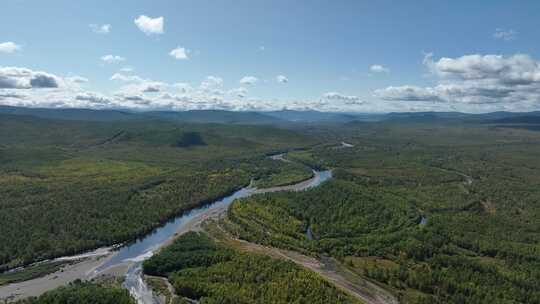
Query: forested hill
(195, 116)
(68, 185)
(69, 114)
(283, 118)
(217, 116)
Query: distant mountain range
(69, 114)
(215, 116)
(283, 117)
(493, 117)
(200, 116)
(311, 116)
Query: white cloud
(138, 93)
(10, 94)
(152, 87)
(9, 47)
(41, 89)
(23, 78)
(515, 69)
(346, 99)
(179, 53)
(126, 78)
(282, 79)
(149, 25)
(211, 83)
(475, 79)
(407, 93)
(377, 68)
(137, 85)
(112, 59)
(100, 29)
(248, 80)
(506, 35)
(183, 87)
(44, 80)
(238, 92)
(127, 70)
(93, 98)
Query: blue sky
(367, 56)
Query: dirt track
(329, 269)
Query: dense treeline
(273, 173)
(476, 187)
(343, 218)
(83, 215)
(209, 272)
(83, 293)
(69, 186)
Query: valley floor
(328, 268)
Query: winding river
(127, 260)
(135, 253)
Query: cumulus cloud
(238, 92)
(506, 35)
(136, 85)
(407, 93)
(43, 80)
(212, 83)
(346, 99)
(137, 99)
(282, 79)
(100, 29)
(93, 98)
(179, 53)
(475, 79)
(112, 59)
(40, 89)
(136, 93)
(377, 68)
(152, 87)
(145, 86)
(248, 80)
(11, 83)
(8, 94)
(126, 78)
(183, 87)
(516, 69)
(149, 25)
(139, 93)
(9, 47)
(23, 78)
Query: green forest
(70, 186)
(432, 211)
(201, 269)
(439, 214)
